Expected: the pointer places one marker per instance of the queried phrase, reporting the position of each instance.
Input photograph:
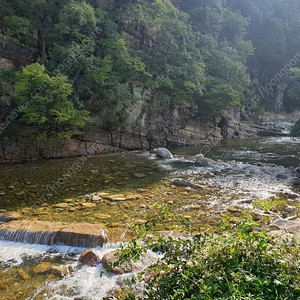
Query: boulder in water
(128, 266)
(204, 162)
(164, 153)
(90, 258)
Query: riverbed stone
(59, 270)
(61, 205)
(22, 273)
(164, 153)
(281, 176)
(128, 266)
(204, 162)
(184, 183)
(139, 222)
(42, 268)
(87, 205)
(234, 209)
(89, 257)
(139, 175)
(102, 216)
(9, 216)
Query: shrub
(238, 263)
(295, 131)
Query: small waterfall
(44, 233)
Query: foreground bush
(240, 263)
(295, 132)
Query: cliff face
(145, 129)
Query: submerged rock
(281, 176)
(87, 205)
(61, 205)
(204, 162)
(164, 153)
(23, 274)
(128, 266)
(42, 268)
(59, 270)
(9, 216)
(184, 183)
(90, 258)
(165, 168)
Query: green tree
(48, 107)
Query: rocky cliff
(13, 55)
(145, 129)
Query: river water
(57, 190)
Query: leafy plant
(274, 205)
(44, 102)
(295, 131)
(233, 263)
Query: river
(57, 190)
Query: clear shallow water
(235, 180)
(284, 151)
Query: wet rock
(164, 153)
(9, 216)
(184, 183)
(128, 266)
(205, 162)
(61, 205)
(281, 176)
(53, 233)
(165, 168)
(87, 205)
(90, 258)
(198, 156)
(42, 268)
(102, 194)
(234, 209)
(130, 198)
(139, 222)
(23, 274)
(209, 175)
(102, 216)
(2, 193)
(59, 270)
(96, 198)
(139, 175)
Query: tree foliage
(203, 52)
(46, 103)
